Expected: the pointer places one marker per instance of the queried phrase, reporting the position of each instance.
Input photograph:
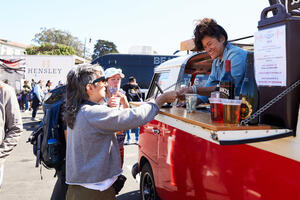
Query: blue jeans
(25, 101)
(136, 133)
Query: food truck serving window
(200, 80)
(162, 80)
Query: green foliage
(50, 49)
(54, 36)
(103, 47)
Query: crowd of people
(32, 94)
(98, 115)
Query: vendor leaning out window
(212, 38)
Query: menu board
(270, 56)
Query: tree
(103, 47)
(50, 49)
(55, 36)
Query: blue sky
(162, 24)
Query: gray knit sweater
(92, 149)
(10, 121)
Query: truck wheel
(147, 185)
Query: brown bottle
(227, 82)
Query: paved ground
(23, 181)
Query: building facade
(11, 48)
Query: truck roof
(141, 66)
(179, 61)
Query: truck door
(149, 133)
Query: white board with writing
(270, 56)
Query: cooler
(284, 113)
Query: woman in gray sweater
(93, 157)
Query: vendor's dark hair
(77, 79)
(208, 27)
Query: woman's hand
(167, 97)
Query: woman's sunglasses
(100, 79)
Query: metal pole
(84, 48)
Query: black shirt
(133, 92)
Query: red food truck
(187, 156)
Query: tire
(147, 184)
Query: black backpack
(30, 95)
(48, 140)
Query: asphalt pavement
(22, 180)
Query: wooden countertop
(201, 118)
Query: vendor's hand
(183, 91)
(181, 104)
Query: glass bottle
(227, 82)
(249, 93)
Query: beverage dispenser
(277, 65)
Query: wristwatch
(217, 87)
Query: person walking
(10, 123)
(133, 93)
(48, 86)
(93, 158)
(26, 91)
(37, 98)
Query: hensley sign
(54, 68)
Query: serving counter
(202, 118)
(199, 124)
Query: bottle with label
(227, 82)
(249, 93)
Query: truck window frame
(153, 90)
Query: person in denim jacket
(212, 38)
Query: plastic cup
(190, 102)
(116, 101)
(231, 110)
(215, 94)
(216, 110)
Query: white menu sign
(270, 56)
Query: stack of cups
(224, 110)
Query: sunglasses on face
(100, 79)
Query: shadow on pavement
(134, 195)
(30, 126)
